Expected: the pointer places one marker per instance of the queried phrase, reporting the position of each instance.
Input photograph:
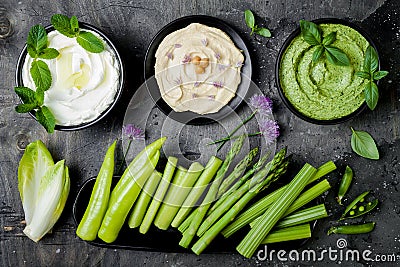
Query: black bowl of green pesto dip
(321, 92)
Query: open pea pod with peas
(358, 207)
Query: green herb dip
(321, 90)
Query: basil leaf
(371, 94)
(317, 53)
(37, 38)
(380, 74)
(62, 24)
(364, 145)
(46, 118)
(90, 42)
(41, 74)
(264, 32)
(27, 95)
(310, 32)
(363, 74)
(336, 56)
(74, 24)
(329, 39)
(249, 18)
(371, 60)
(24, 108)
(48, 53)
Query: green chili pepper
(91, 221)
(127, 189)
(352, 229)
(345, 184)
(352, 211)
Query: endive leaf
(47, 200)
(33, 165)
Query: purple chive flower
(239, 64)
(194, 95)
(222, 67)
(269, 129)
(261, 103)
(218, 84)
(169, 55)
(186, 59)
(177, 45)
(196, 84)
(178, 81)
(204, 42)
(133, 132)
(217, 56)
(211, 97)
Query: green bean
(127, 189)
(345, 184)
(352, 229)
(91, 220)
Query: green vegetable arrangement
(43, 187)
(203, 202)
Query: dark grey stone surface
(131, 25)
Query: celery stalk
(287, 234)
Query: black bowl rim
(207, 118)
(83, 25)
(287, 42)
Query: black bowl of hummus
(321, 92)
(85, 86)
(197, 69)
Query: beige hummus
(198, 69)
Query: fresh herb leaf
(74, 24)
(329, 39)
(37, 38)
(31, 51)
(336, 56)
(310, 32)
(264, 32)
(364, 145)
(24, 108)
(363, 74)
(41, 75)
(48, 53)
(27, 95)
(380, 74)
(46, 118)
(39, 96)
(62, 24)
(249, 19)
(371, 94)
(90, 42)
(319, 50)
(371, 61)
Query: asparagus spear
(176, 195)
(211, 168)
(159, 195)
(268, 171)
(201, 211)
(216, 228)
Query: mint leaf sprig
(70, 28)
(37, 47)
(371, 73)
(312, 34)
(34, 100)
(250, 22)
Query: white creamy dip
(198, 69)
(83, 85)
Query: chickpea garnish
(199, 70)
(204, 62)
(196, 60)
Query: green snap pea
(345, 184)
(91, 220)
(353, 211)
(352, 229)
(127, 189)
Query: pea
(345, 184)
(352, 229)
(361, 208)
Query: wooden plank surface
(131, 25)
